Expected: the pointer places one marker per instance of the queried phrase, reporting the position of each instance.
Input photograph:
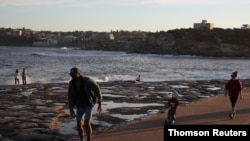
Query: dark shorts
(233, 100)
(84, 111)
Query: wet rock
(36, 111)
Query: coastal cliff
(198, 42)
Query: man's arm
(70, 97)
(97, 91)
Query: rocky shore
(40, 111)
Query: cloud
(32, 2)
(111, 2)
(182, 2)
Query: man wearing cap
(83, 93)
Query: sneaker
(234, 114)
(231, 116)
(167, 121)
(173, 121)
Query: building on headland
(41, 44)
(16, 33)
(204, 25)
(245, 26)
(49, 42)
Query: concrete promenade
(212, 111)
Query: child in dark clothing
(172, 104)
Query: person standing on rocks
(233, 90)
(138, 79)
(17, 77)
(83, 93)
(24, 75)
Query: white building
(49, 42)
(203, 25)
(41, 44)
(52, 42)
(245, 26)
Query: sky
(117, 15)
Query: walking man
(83, 93)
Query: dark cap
(74, 71)
(234, 74)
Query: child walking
(172, 103)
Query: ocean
(52, 65)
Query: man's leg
(79, 114)
(233, 103)
(88, 126)
(80, 129)
(87, 123)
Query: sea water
(52, 65)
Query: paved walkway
(213, 111)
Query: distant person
(83, 93)
(172, 104)
(17, 77)
(138, 79)
(24, 75)
(233, 90)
